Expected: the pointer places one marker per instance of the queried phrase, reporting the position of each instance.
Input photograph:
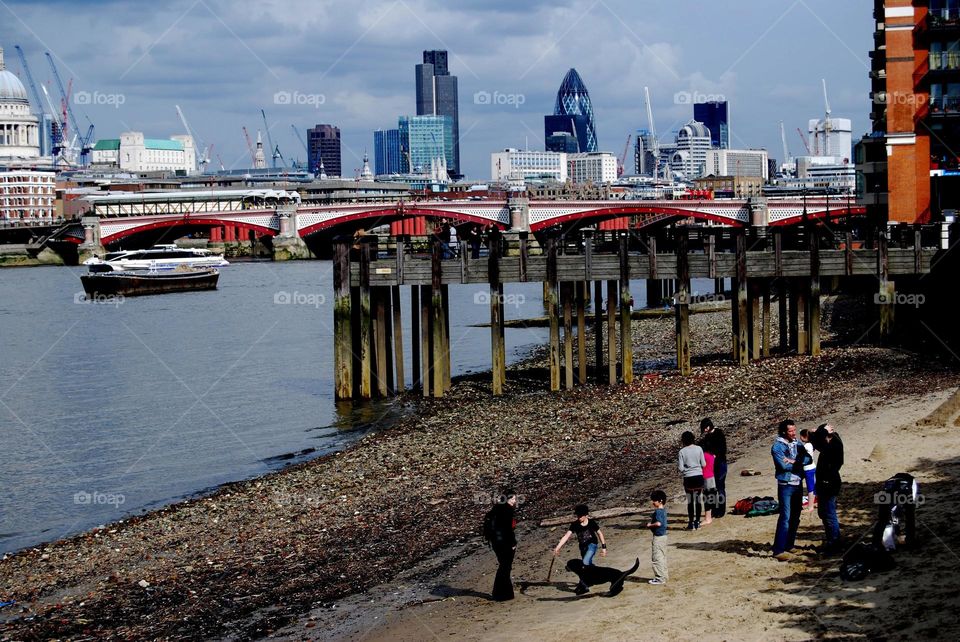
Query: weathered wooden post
(365, 330)
(741, 354)
(803, 292)
(626, 300)
(343, 342)
(426, 339)
(498, 350)
(550, 302)
(766, 318)
(415, 375)
(612, 332)
(437, 329)
(566, 298)
(655, 293)
(378, 327)
(582, 293)
(682, 304)
(813, 305)
(887, 294)
(755, 319)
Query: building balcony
(943, 21)
(945, 107)
(944, 61)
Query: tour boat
(159, 257)
(124, 283)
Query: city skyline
(223, 62)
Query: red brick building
(910, 163)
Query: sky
(351, 64)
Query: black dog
(593, 575)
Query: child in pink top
(709, 487)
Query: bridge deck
(416, 270)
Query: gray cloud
(223, 61)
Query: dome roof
(11, 89)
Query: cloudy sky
(351, 64)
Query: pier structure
(786, 264)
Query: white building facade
(690, 157)
(831, 137)
(519, 166)
(19, 127)
(134, 153)
(737, 162)
(27, 197)
(592, 167)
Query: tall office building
(644, 159)
(573, 99)
(690, 157)
(715, 114)
(566, 133)
(323, 142)
(425, 140)
(386, 152)
(437, 96)
(909, 162)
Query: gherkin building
(574, 100)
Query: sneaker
(696, 526)
(657, 582)
(690, 527)
(784, 556)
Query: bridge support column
(91, 246)
(363, 330)
(598, 329)
(287, 244)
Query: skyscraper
(565, 133)
(715, 114)
(323, 142)
(574, 100)
(437, 96)
(386, 152)
(424, 140)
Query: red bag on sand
(743, 506)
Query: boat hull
(138, 284)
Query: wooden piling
(742, 355)
(682, 305)
(784, 344)
(766, 320)
(426, 340)
(342, 314)
(401, 383)
(755, 320)
(415, 375)
(626, 300)
(436, 329)
(598, 329)
(612, 332)
(566, 298)
(803, 295)
(550, 302)
(379, 328)
(364, 331)
(497, 348)
(813, 305)
(582, 294)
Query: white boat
(158, 257)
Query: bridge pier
(92, 245)
(287, 244)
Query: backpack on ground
(743, 506)
(864, 559)
(763, 506)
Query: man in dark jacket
(713, 441)
(828, 443)
(504, 543)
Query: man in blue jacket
(789, 488)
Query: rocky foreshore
(257, 554)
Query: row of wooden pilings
(368, 329)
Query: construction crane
(623, 156)
(222, 168)
(654, 141)
(305, 147)
(274, 151)
(804, 140)
(250, 148)
(38, 107)
(86, 140)
(197, 144)
(56, 133)
(827, 123)
(783, 140)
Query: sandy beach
(724, 584)
(384, 537)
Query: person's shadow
(444, 591)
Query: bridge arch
(391, 214)
(657, 212)
(185, 223)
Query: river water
(111, 408)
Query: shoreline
(258, 554)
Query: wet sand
(262, 557)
